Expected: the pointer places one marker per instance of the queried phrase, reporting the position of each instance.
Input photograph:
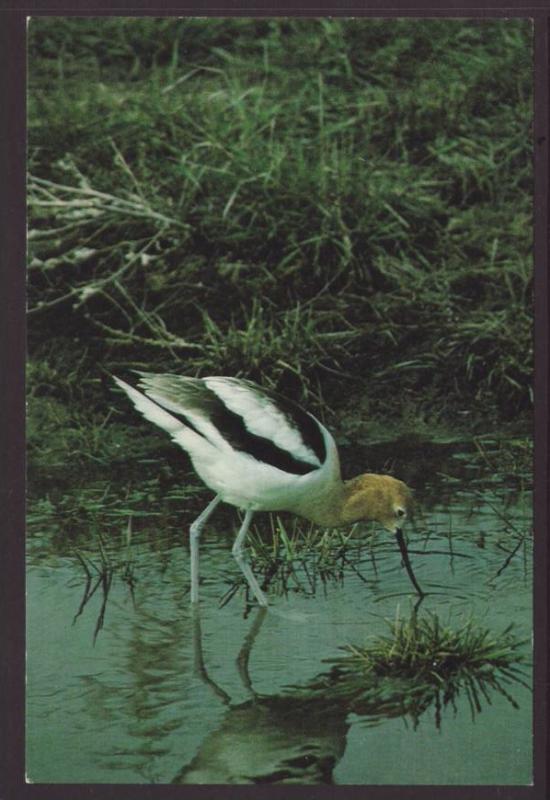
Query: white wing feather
(261, 416)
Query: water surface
(127, 684)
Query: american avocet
(261, 452)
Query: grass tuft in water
(422, 664)
(296, 556)
(427, 650)
(101, 572)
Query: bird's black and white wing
(276, 430)
(238, 414)
(252, 447)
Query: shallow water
(127, 684)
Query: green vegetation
(336, 208)
(424, 663)
(426, 649)
(297, 556)
(101, 575)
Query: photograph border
(12, 395)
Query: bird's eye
(400, 512)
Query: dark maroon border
(12, 385)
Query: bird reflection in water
(265, 739)
(299, 735)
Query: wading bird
(261, 452)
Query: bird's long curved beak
(406, 561)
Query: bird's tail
(151, 410)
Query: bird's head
(380, 498)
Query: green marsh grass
(333, 207)
(426, 649)
(100, 572)
(297, 556)
(423, 663)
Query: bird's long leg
(194, 536)
(240, 558)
